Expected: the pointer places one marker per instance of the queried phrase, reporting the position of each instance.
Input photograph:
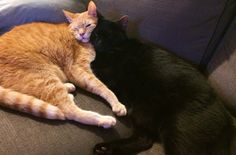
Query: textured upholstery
(222, 25)
(15, 12)
(222, 70)
(183, 26)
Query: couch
(202, 32)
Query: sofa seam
(205, 58)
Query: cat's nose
(82, 34)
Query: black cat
(170, 101)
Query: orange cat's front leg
(87, 80)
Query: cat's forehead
(84, 17)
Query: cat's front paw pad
(119, 109)
(102, 149)
(107, 121)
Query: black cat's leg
(133, 144)
(84, 78)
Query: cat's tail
(29, 104)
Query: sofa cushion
(223, 23)
(182, 26)
(222, 70)
(15, 12)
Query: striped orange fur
(29, 104)
(36, 61)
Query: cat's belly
(12, 76)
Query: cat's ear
(92, 9)
(123, 22)
(69, 15)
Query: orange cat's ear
(123, 22)
(92, 9)
(69, 15)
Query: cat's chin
(85, 40)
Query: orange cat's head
(82, 24)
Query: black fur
(170, 101)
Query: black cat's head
(109, 34)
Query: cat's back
(35, 43)
(44, 29)
(157, 70)
(35, 35)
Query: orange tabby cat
(36, 61)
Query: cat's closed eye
(88, 25)
(75, 28)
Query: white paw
(107, 122)
(71, 96)
(70, 87)
(119, 109)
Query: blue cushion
(185, 27)
(15, 12)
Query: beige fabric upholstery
(222, 69)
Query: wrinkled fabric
(16, 12)
(185, 27)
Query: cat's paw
(71, 96)
(70, 87)
(107, 121)
(102, 149)
(119, 109)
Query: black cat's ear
(69, 15)
(92, 9)
(123, 22)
